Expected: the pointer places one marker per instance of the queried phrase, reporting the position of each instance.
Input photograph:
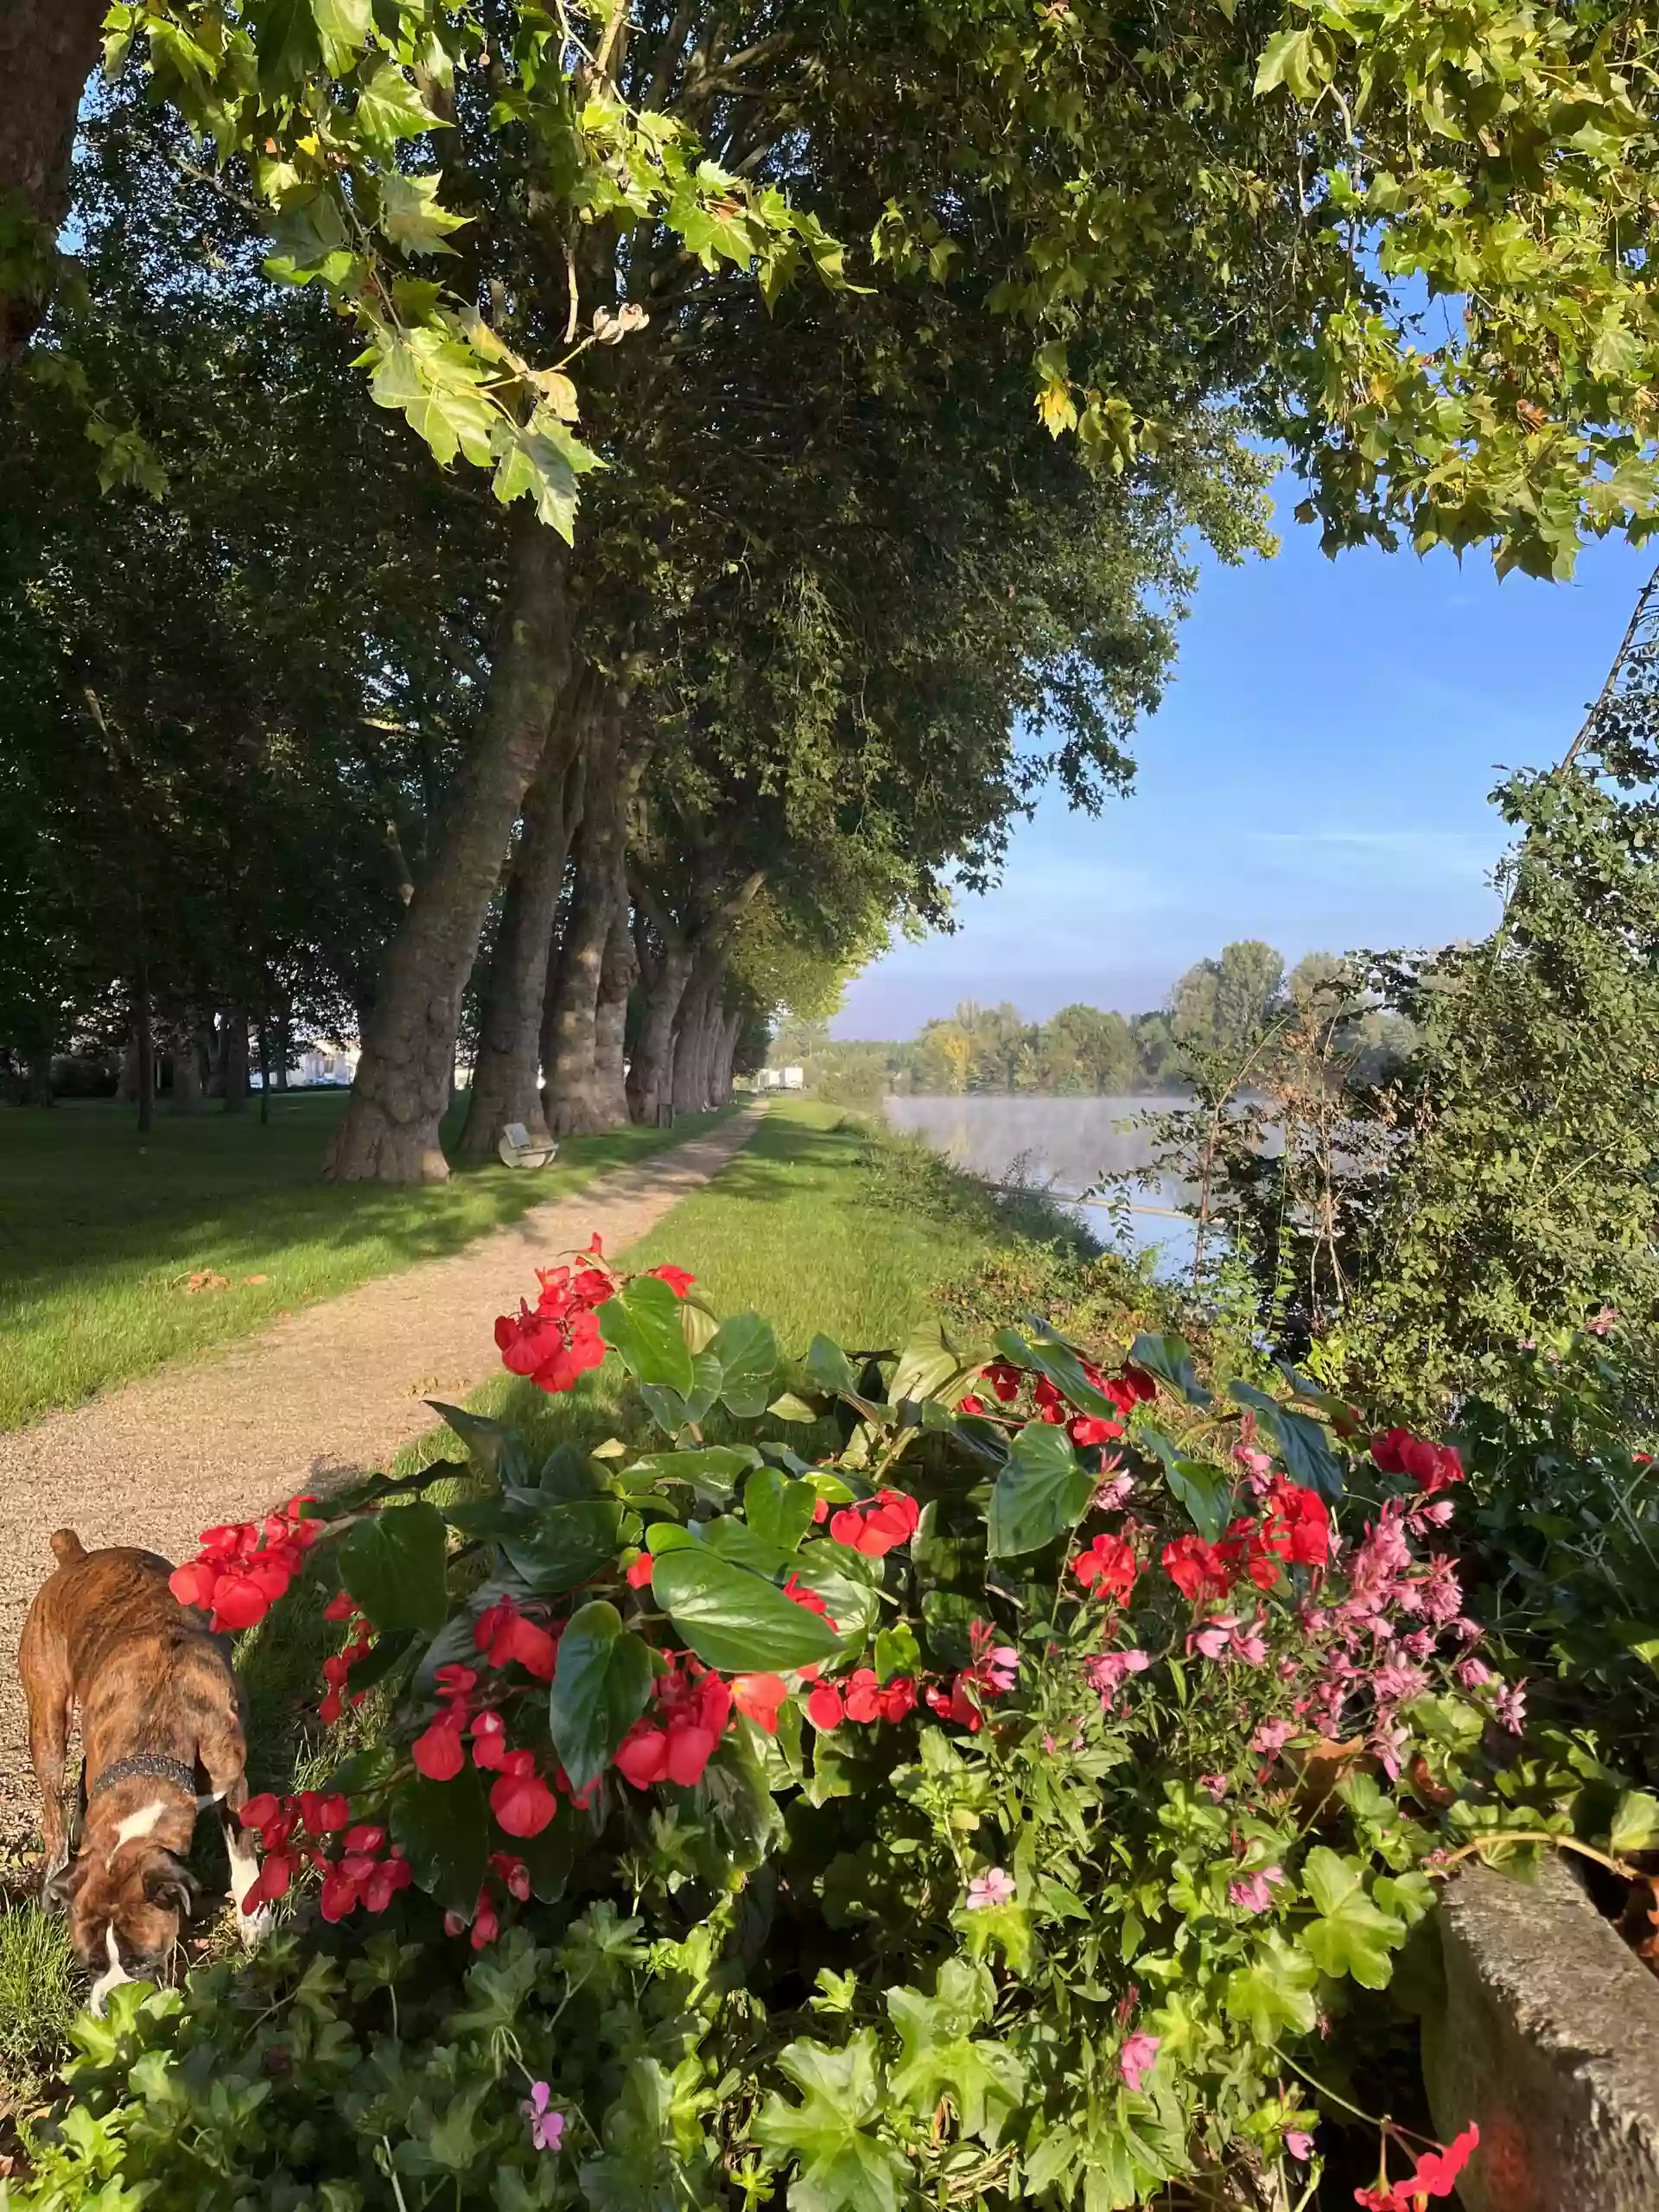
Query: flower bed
(1001, 1804)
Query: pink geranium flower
(546, 2126)
(1137, 2058)
(993, 1888)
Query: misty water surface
(1063, 1144)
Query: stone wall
(1548, 2036)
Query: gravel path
(333, 1388)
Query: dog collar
(145, 1763)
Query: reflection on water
(1067, 1144)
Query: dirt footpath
(329, 1391)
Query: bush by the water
(1023, 1800)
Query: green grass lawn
(100, 1230)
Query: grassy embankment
(100, 1231)
(821, 1225)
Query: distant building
(782, 1078)
(335, 1065)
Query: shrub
(990, 1811)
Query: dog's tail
(66, 1546)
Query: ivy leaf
(641, 1323)
(940, 2056)
(839, 2166)
(1043, 1491)
(411, 215)
(748, 1351)
(1170, 1360)
(1273, 1991)
(393, 1564)
(1353, 1937)
(600, 1683)
(733, 1619)
(444, 1829)
(390, 108)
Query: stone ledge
(1548, 2036)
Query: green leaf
(411, 215)
(830, 1369)
(567, 1474)
(791, 1407)
(840, 2167)
(1635, 1823)
(897, 1652)
(1205, 1492)
(390, 108)
(343, 27)
(1273, 1991)
(308, 226)
(497, 1449)
(600, 1683)
(940, 2056)
(748, 1351)
(285, 36)
(733, 1619)
(932, 1363)
(560, 1547)
(393, 1564)
(444, 1828)
(779, 1508)
(1282, 59)
(641, 1323)
(712, 1470)
(1304, 1445)
(1043, 1491)
(1170, 1360)
(1352, 1935)
(1051, 1356)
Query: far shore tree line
(824, 404)
(1218, 1014)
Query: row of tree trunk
(558, 756)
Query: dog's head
(125, 1909)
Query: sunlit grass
(100, 1231)
(39, 1995)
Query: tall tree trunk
(264, 1071)
(126, 1088)
(144, 1043)
(218, 1045)
(506, 1081)
(187, 1073)
(690, 1053)
(48, 50)
(39, 1092)
(650, 1078)
(731, 1021)
(611, 1016)
(389, 1131)
(284, 1046)
(236, 1060)
(571, 1096)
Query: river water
(1064, 1145)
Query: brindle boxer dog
(161, 1729)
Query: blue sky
(1318, 776)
